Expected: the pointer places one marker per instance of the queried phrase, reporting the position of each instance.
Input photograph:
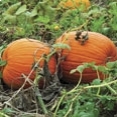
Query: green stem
(71, 91)
(76, 85)
(98, 92)
(71, 105)
(38, 94)
(3, 115)
(111, 89)
(40, 100)
(98, 74)
(69, 110)
(103, 85)
(98, 78)
(59, 103)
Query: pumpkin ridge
(20, 56)
(84, 58)
(97, 48)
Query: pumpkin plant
(72, 4)
(85, 47)
(21, 56)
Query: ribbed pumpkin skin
(20, 56)
(74, 3)
(98, 48)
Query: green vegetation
(33, 19)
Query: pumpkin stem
(85, 37)
(78, 34)
(81, 38)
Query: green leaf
(8, 111)
(108, 101)
(113, 4)
(33, 12)
(87, 65)
(80, 68)
(61, 46)
(110, 64)
(9, 18)
(43, 19)
(111, 105)
(96, 82)
(103, 69)
(84, 114)
(3, 63)
(21, 10)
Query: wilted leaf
(73, 71)
(12, 9)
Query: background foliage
(32, 19)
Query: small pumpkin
(86, 47)
(20, 56)
(72, 4)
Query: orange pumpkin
(20, 56)
(72, 4)
(86, 47)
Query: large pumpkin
(20, 56)
(85, 47)
(74, 4)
